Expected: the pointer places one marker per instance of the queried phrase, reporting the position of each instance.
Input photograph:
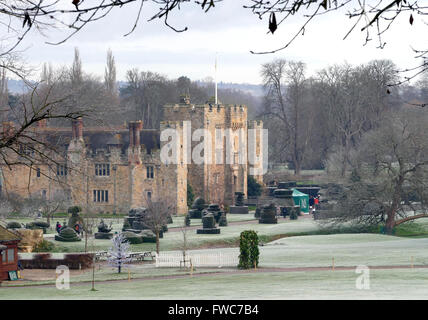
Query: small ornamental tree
(190, 195)
(254, 188)
(119, 253)
(249, 250)
(187, 220)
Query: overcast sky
(227, 29)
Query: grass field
(295, 244)
(384, 284)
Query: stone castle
(114, 169)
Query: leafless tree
(286, 101)
(390, 165)
(353, 100)
(110, 75)
(49, 206)
(156, 216)
(373, 18)
(184, 243)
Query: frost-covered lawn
(346, 249)
(384, 284)
(173, 239)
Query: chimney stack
(77, 129)
(134, 133)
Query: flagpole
(215, 76)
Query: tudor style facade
(113, 169)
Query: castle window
(150, 172)
(61, 170)
(44, 194)
(149, 195)
(38, 172)
(102, 169)
(100, 195)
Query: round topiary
(148, 236)
(13, 225)
(199, 204)
(74, 209)
(41, 224)
(67, 235)
(132, 237)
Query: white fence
(175, 259)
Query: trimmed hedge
(71, 260)
(249, 250)
(13, 225)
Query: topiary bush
(67, 235)
(44, 246)
(148, 236)
(132, 237)
(169, 220)
(254, 188)
(223, 220)
(187, 220)
(190, 195)
(74, 209)
(37, 225)
(41, 224)
(249, 250)
(13, 225)
(268, 214)
(294, 214)
(208, 221)
(257, 213)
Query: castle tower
(224, 169)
